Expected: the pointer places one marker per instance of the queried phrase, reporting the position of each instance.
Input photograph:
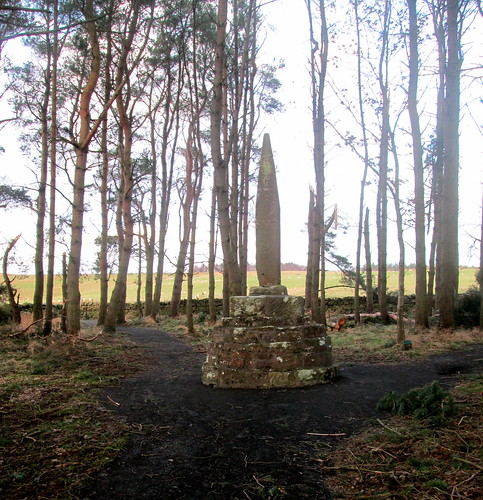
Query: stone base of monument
(268, 342)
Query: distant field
(293, 280)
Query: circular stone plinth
(236, 378)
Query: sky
(291, 138)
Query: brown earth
(191, 441)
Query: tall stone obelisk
(267, 220)
(268, 341)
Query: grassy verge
(373, 343)
(54, 432)
(406, 458)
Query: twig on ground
(89, 340)
(112, 401)
(389, 428)
(322, 434)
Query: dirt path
(192, 441)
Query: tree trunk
(400, 238)
(53, 176)
(220, 161)
(12, 294)
(383, 168)
(318, 69)
(480, 273)
(439, 24)
(212, 258)
(309, 275)
(367, 247)
(360, 226)
(421, 312)
(73, 274)
(103, 264)
(449, 213)
(37, 310)
(171, 119)
(139, 282)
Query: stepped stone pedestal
(268, 342)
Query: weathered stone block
(269, 290)
(282, 307)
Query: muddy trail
(190, 441)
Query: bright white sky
(291, 137)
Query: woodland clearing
(128, 417)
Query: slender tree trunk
(400, 238)
(139, 283)
(63, 312)
(437, 11)
(53, 176)
(369, 285)
(150, 245)
(180, 267)
(103, 263)
(449, 213)
(309, 275)
(421, 312)
(171, 119)
(73, 274)
(220, 161)
(318, 69)
(360, 227)
(480, 274)
(383, 168)
(37, 311)
(212, 258)
(192, 245)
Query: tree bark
(53, 177)
(212, 258)
(449, 213)
(220, 161)
(37, 310)
(360, 226)
(367, 247)
(12, 294)
(421, 310)
(103, 263)
(73, 273)
(318, 69)
(383, 168)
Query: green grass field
(293, 280)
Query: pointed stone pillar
(268, 341)
(267, 220)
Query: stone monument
(268, 341)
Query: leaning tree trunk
(12, 294)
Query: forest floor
(191, 441)
(153, 430)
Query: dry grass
(374, 343)
(406, 458)
(54, 432)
